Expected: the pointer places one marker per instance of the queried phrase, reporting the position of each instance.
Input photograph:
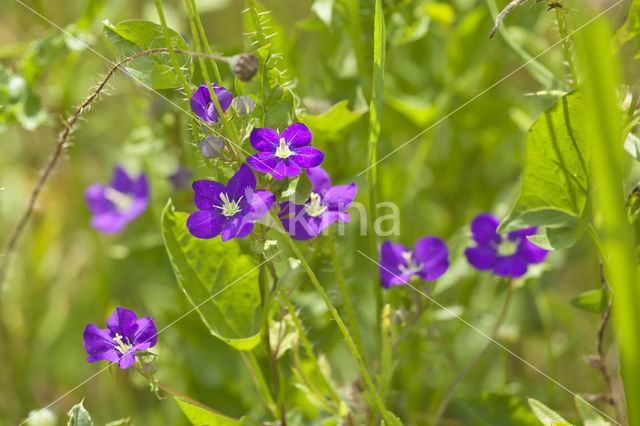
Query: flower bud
(210, 146)
(246, 66)
(243, 105)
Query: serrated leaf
(154, 70)
(555, 182)
(201, 417)
(593, 300)
(211, 267)
(333, 123)
(79, 416)
(545, 414)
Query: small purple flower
(283, 155)
(180, 178)
(115, 205)
(124, 336)
(203, 105)
(228, 210)
(429, 260)
(506, 256)
(326, 205)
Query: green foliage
(593, 300)
(498, 410)
(555, 181)
(590, 417)
(333, 123)
(545, 414)
(155, 70)
(18, 103)
(79, 416)
(205, 268)
(201, 417)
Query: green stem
(566, 45)
(256, 372)
(307, 346)
(351, 313)
(452, 388)
(343, 329)
(172, 52)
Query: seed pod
(243, 105)
(246, 66)
(210, 146)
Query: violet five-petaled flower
(202, 103)
(506, 255)
(325, 205)
(228, 211)
(115, 205)
(428, 260)
(283, 155)
(124, 336)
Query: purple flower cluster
(506, 255)
(429, 260)
(124, 336)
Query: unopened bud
(210, 146)
(246, 66)
(243, 105)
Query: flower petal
(121, 320)
(514, 266)
(433, 254)
(99, 344)
(200, 102)
(264, 139)
(121, 181)
(109, 223)
(390, 261)
(307, 156)
(482, 257)
(128, 359)
(297, 135)
(236, 227)
(483, 228)
(531, 252)
(205, 224)
(296, 222)
(96, 200)
(319, 179)
(241, 181)
(259, 203)
(264, 162)
(207, 194)
(140, 187)
(224, 96)
(286, 168)
(340, 197)
(145, 334)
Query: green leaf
(120, 422)
(201, 417)
(498, 410)
(394, 420)
(555, 182)
(593, 300)
(545, 414)
(206, 268)
(588, 414)
(333, 123)
(154, 70)
(632, 145)
(79, 416)
(296, 189)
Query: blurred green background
(65, 275)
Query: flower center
(229, 207)
(121, 200)
(120, 345)
(283, 150)
(314, 208)
(506, 247)
(412, 266)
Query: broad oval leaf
(219, 271)
(333, 123)
(155, 70)
(79, 416)
(555, 181)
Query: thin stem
(343, 329)
(256, 373)
(566, 45)
(351, 313)
(452, 388)
(307, 345)
(191, 400)
(207, 47)
(172, 52)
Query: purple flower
(429, 260)
(180, 178)
(283, 155)
(229, 210)
(506, 256)
(115, 205)
(326, 205)
(124, 336)
(203, 105)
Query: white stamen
(314, 208)
(120, 345)
(283, 150)
(506, 247)
(412, 266)
(121, 200)
(229, 207)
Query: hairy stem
(452, 388)
(566, 45)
